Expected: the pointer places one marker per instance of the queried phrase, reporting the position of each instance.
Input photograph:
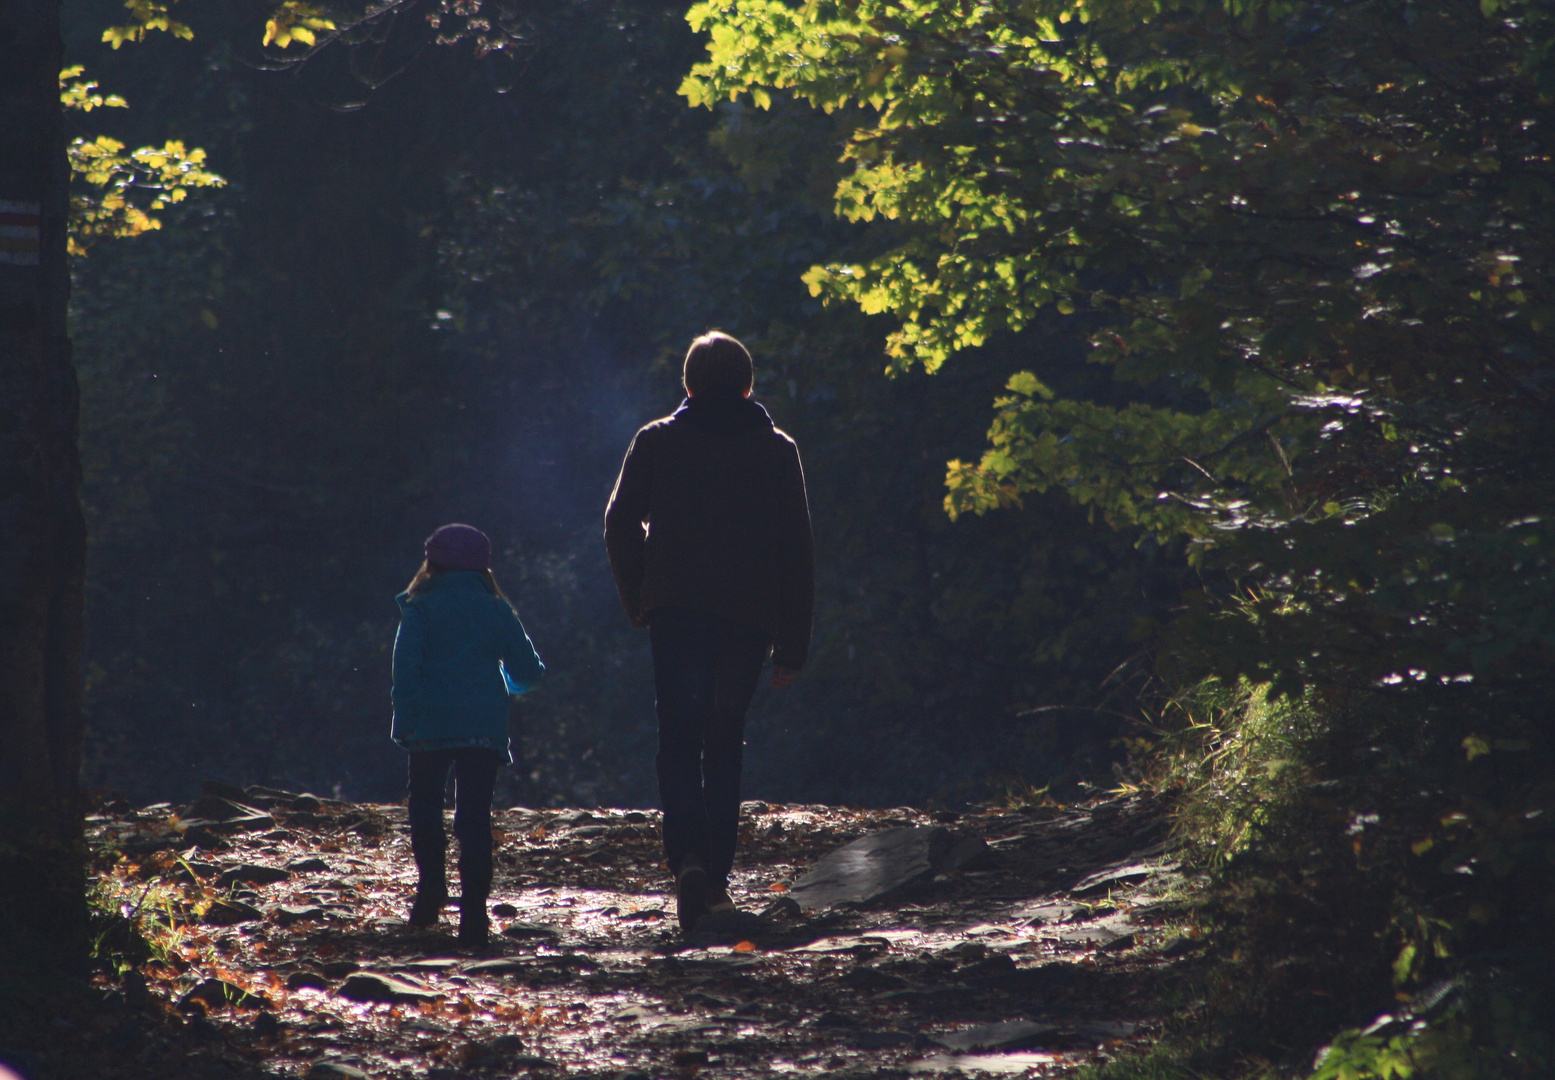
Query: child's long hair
(429, 570)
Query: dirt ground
(278, 948)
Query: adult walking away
(708, 532)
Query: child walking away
(460, 652)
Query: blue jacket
(459, 653)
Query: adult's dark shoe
(427, 907)
(690, 896)
(474, 925)
(718, 901)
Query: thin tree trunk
(42, 533)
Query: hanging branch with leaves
(116, 190)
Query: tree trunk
(42, 532)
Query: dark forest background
(453, 294)
(1306, 245)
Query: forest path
(1046, 959)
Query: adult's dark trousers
(475, 775)
(704, 672)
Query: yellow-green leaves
(1313, 284)
(146, 16)
(295, 21)
(129, 185)
(115, 190)
(1118, 462)
(1028, 385)
(74, 93)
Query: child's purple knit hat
(459, 547)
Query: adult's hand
(783, 677)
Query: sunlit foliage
(1309, 240)
(117, 189)
(1310, 243)
(146, 16)
(295, 21)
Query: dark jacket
(459, 653)
(709, 513)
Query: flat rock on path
(1009, 1035)
(883, 864)
(388, 989)
(252, 874)
(214, 814)
(287, 914)
(1117, 874)
(334, 1070)
(231, 913)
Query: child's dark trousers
(475, 775)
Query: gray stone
(193, 872)
(211, 814)
(259, 795)
(995, 1064)
(1098, 933)
(210, 807)
(527, 930)
(643, 915)
(434, 964)
(222, 789)
(334, 1070)
(504, 965)
(1046, 914)
(425, 1025)
(310, 865)
(252, 874)
(231, 913)
(885, 863)
(784, 907)
(287, 914)
(1120, 873)
(967, 853)
(374, 986)
(306, 980)
(1006, 1035)
(1104, 1030)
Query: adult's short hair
(717, 362)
